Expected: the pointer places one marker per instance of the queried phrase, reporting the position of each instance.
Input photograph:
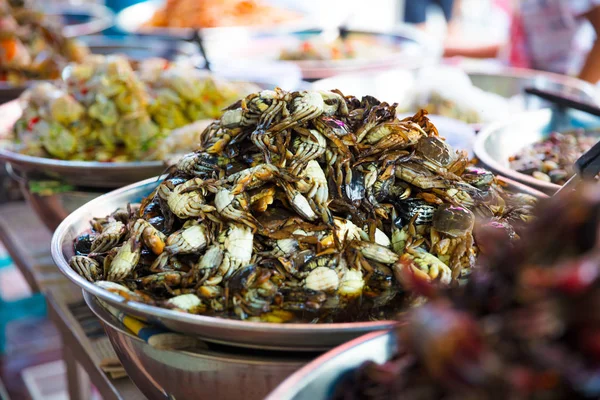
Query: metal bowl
(133, 18)
(406, 48)
(318, 379)
(214, 372)
(497, 142)
(398, 86)
(301, 336)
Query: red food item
(306, 47)
(9, 47)
(32, 122)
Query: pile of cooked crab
(302, 206)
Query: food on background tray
(320, 51)
(525, 326)
(552, 159)
(219, 13)
(353, 47)
(104, 111)
(32, 47)
(301, 206)
(448, 91)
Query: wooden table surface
(28, 242)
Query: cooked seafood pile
(106, 111)
(301, 206)
(525, 326)
(552, 159)
(218, 13)
(31, 46)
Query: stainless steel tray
(497, 142)
(206, 372)
(408, 48)
(132, 19)
(318, 379)
(302, 337)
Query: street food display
(104, 110)
(291, 221)
(552, 159)
(301, 207)
(525, 326)
(32, 47)
(218, 13)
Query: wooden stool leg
(78, 381)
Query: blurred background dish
(37, 44)
(113, 109)
(474, 94)
(225, 19)
(325, 53)
(499, 142)
(41, 42)
(69, 184)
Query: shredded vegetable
(103, 110)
